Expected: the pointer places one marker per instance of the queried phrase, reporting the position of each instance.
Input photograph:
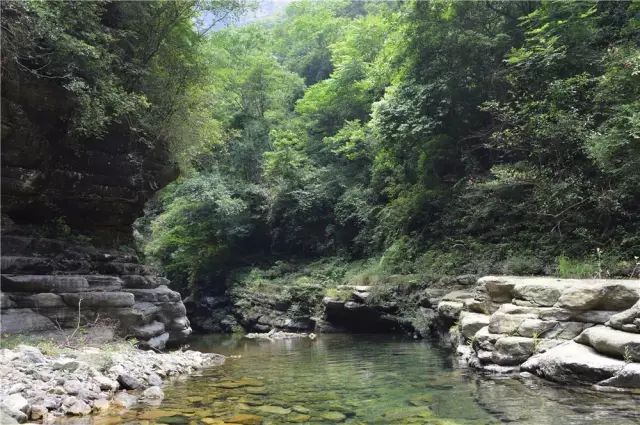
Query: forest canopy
(424, 134)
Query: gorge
(420, 212)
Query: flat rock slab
(613, 342)
(44, 283)
(573, 363)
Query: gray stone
(539, 294)
(38, 411)
(153, 392)
(581, 297)
(105, 384)
(73, 386)
(571, 362)
(159, 294)
(535, 328)
(104, 283)
(22, 320)
(101, 404)
(470, 323)
(44, 283)
(154, 328)
(450, 309)
(567, 330)
(499, 288)
(512, 350)
(612, 342)
(123, 399)
(505, 323)
(7, 419)
(626, 320)
(143, 282)
(15, 402)
(30, 354)
(129, 382)
(68, 365)
(79, 408)
(628, 377)
(154, 380)
(99, 299)
(158, 342)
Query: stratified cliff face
(97, 187)
(94, 187)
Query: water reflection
(366, 379)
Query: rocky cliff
(565, 330)
(56, 186)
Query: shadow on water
(372, 379)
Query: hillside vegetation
(424, 138)
(427, 137)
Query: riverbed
(370, 379)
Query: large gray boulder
(612, 342)
(573, 363)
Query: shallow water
(361, 379)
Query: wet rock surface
(34, 386)
(565, 330)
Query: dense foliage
(429, 135)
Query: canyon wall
(68, 204)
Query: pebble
(79, 408)
(77, 383)
(153, 393)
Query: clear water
(360, 379)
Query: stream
(370, 379)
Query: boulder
(612, 342)
(158, 342)
(470, 323)
(512, 350)
(571, 362)
(450, 309)
(628, 377)
(129, 382)
(154, 328)
(499, 288)
(15, 403)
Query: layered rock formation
(95, 185)
(566, 330)
(56, 184)
(49, 284)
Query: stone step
(44, 283)
(99, 300)
(26, 265)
